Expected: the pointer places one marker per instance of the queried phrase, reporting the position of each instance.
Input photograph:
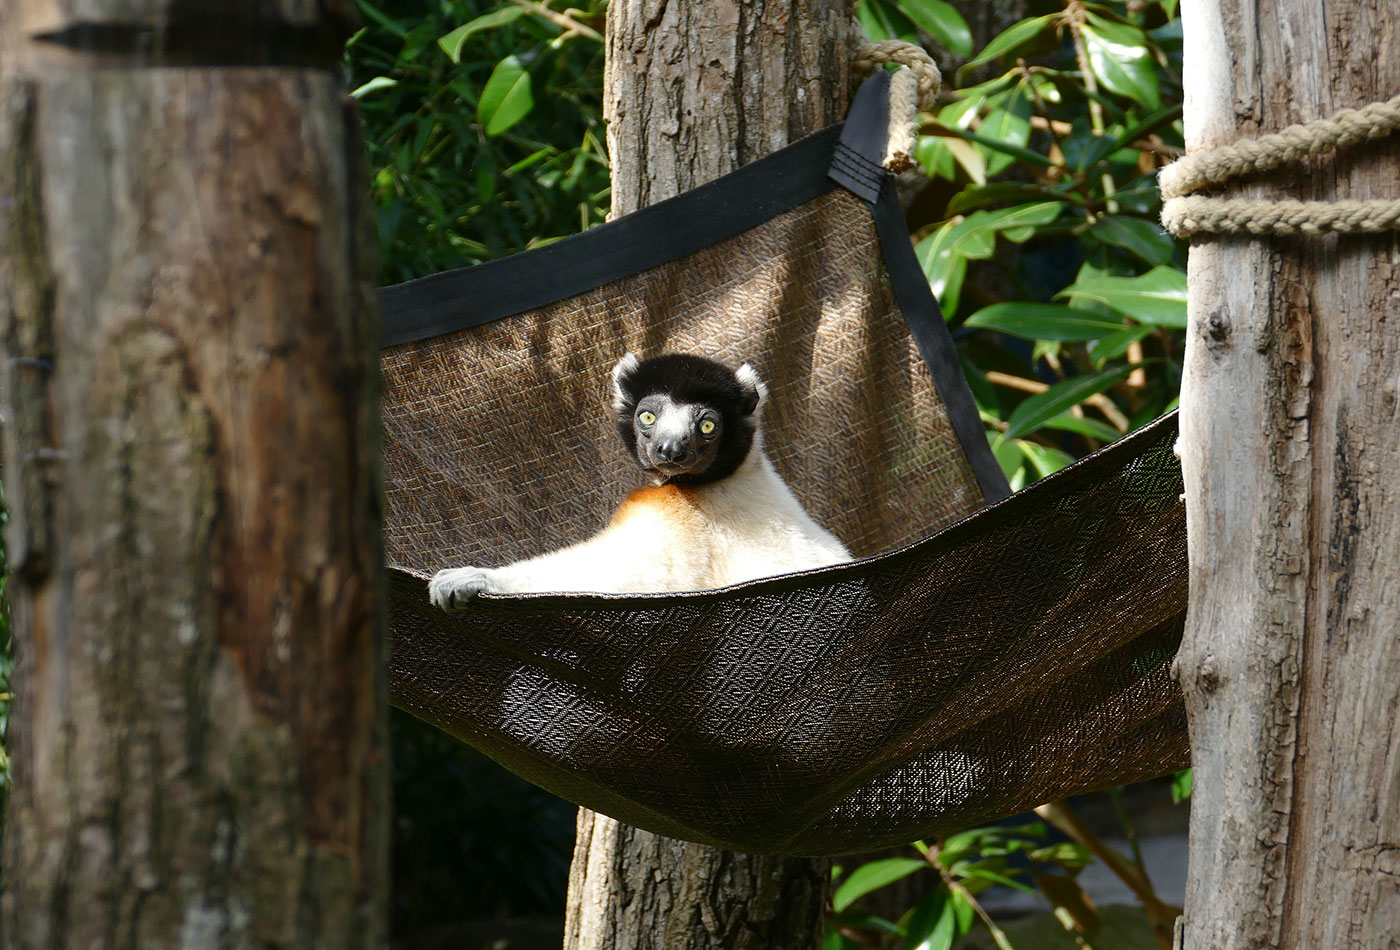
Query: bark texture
(629, 888)
(1291, 440)
(692, 91)
(192, 472)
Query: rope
(871, 56)
(904, 121)
(1201, 215)
(911, 90)
(1197, 215)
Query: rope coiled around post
(1185, 214)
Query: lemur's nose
(671, 449)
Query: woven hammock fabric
(1018, 656)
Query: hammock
(1019, 655)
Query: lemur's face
(675, 438)
(686, 419)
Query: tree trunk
(693, 91)
(191, 459)
(1291, 452)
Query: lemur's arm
(623, 557)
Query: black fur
(693, 379)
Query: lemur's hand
(453, 588)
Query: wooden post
(693, 91)
(1291, 450)
(191, 460)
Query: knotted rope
(911, 90)
(1183, 215)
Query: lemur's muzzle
(671, 451)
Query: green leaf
(1038, 409)
(1157, 297)
(452, 43)
(1012, 223)
(1010, 125)
(933, 923)
(872, 876)
(1126, 69)
(1008, 455)
(933, 154)
(1107, 23)
(962, 912)
(943, 268)
(1145, 239)
(960, 114)
(1045, 460)
(369, 10)
(943, 255)
(1048, 350)
(1066, 854)
(1017, 34)
(933, 151)
(1015, 151)
(1147, 125)
(1114, 345)
(881, 21)
(972, 161)
(973, 197)
(506, 98)
(1043, 321)
(1083, 425)
(1181, 786)
(486, 177)
(941, 21)
(378, 82)
(1003, 880)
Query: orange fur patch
(669, 501)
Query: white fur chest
(751, 526)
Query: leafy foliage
(955, 871)
(483, 125)
(1041, 241)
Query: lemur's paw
(452, 588)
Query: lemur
(715, 512)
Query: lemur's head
(688, 420)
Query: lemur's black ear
(755, 392)
(621, 373)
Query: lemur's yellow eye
(646, 418)
(707, 427)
